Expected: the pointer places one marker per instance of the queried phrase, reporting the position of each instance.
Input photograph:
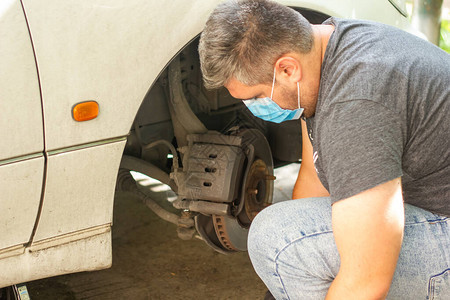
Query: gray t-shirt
(383, 112)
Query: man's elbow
(355, 288)
(377, 289)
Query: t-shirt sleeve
(360, 147)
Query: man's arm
(368, 230)
(308, 183)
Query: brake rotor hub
(257, 191)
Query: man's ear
(289, 69)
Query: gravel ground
(151, 262)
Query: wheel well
(210, 150)
(217, 110)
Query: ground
(151, 262)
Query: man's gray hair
(243, 39)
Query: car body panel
(79, 191)
(88, 253)
(21, 129)
(21, 185)
(107, 51)
(380, 11)
(21, 132)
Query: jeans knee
(283, 222)
(260, 232)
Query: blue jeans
(292, 248)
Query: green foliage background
(444, 43)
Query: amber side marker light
(85, 111)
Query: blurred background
(425, 15)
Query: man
(375, 103)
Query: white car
(88, 87)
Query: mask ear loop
(273, 83)
(298, 94)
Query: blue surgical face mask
(268, 110)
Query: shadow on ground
(151, 262)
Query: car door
(21, 135)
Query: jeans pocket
(439, 286)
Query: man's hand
(368, 230)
